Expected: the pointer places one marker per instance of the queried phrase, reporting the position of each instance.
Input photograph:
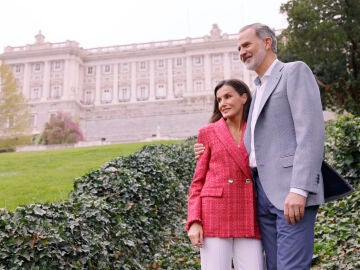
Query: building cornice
(40, 48)
(36, 50)
(161, 47)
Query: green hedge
(337, 231)
(342, 146)
(9, 144)
(125, 215)
(130, 214)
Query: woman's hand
(195, 234)
(199, 148)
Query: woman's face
(231, 104)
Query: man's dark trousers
(287, 246)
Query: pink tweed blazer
(222, 195)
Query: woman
(221, 208)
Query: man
(285, 140)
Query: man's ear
(268, 42)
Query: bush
(130, 214)
(342, 146)
(125, 215)
(337, 238)
(61, 129)
(9, 144)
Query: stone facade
(127, 92)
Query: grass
(47, 176)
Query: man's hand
(294, 207)
(199, 148)
(195, 234)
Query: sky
(101, 23)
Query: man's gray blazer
(289, 134)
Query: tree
(326, 35)
(14, 112)
(61, 129)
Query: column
(80, 82)
(133, 82)
(151, 81)
(46, 82)
(98, 85)
(207, 72)
(73, 75)
(170, 84)
(115, 70)
(26, 85)
(66, 82)
(189, 80)
(227, 66)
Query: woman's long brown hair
(241, 88)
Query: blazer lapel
(247, 135)
(223, 134)
(272, 83)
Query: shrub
(125, 215)
(337, 237)
(130, 214)
(61, 129)
(342, 146)
(9, 144)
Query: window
(55, 92)
(142, 93)
(216, 59)
(179, 62)
(106, 96)
(124, 94)
(125, 67)
(17, 68)
(215, 82)
(90, 70)
(88, 97)
(33, 120)
(179, 90)
(10, 122)
(37, 67)
(35, 93)
(142, 65)
(161, 63)
(198, 85)
(107, 68)
(235, 57)
(197, 60)
(56, 66)
(160, 91)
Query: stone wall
(172, 119)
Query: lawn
(47, 176)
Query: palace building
(128, 92)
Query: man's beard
(256, 60)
